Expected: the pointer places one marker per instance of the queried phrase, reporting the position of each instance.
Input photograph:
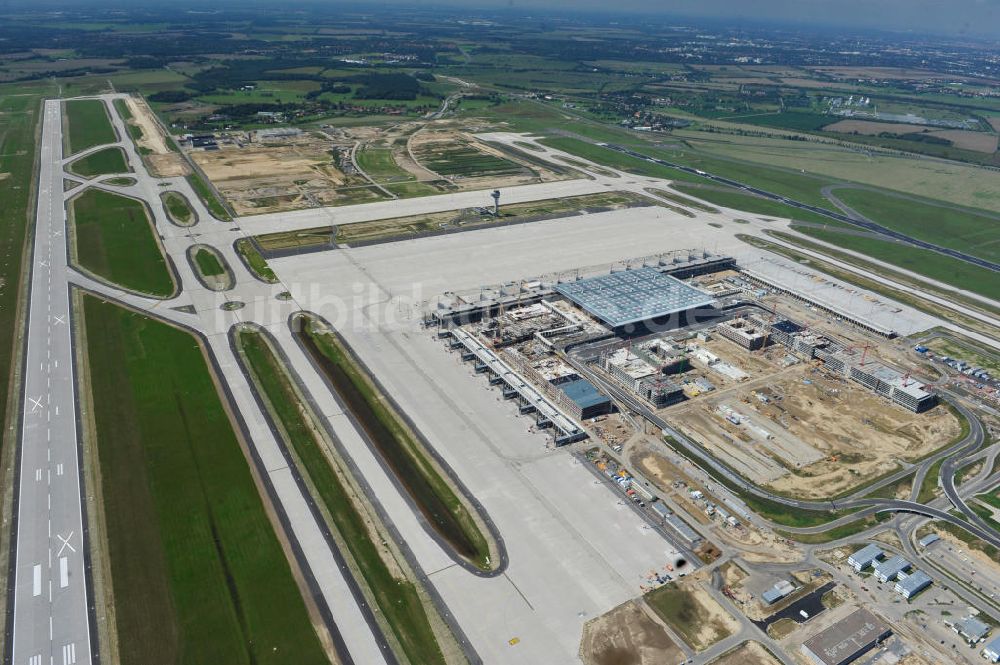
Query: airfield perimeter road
(847, 219)
(51, 622)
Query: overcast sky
(979, 17)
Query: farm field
(396, 596)
(197, 571)
(398, 446)
(114, 239)
(102, 162)
(452, 158)
(88, 124)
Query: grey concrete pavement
(51, 616)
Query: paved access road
(51, 621)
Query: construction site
(789, 395)
(282, 168)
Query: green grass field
(254, 261)
(198, 573)
(396, 597)
(616, 160)
(924, 262)
(19, 117)
(208, 263)
(88, 123)
(115, 240)
(177, 207)
(753, 204)
(967, 232)
(208, 197)
(102, 162)
(400, 449)
(380, 166)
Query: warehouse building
(887, 570)
(971, 628)
(847, 640)
(777, 592)
(909, 585)
(634, 298)
(991, 651)
(865, 557)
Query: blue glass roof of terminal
(630, 296)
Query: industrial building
(911, 584)
(865, 557)
(887, 382)
(777, 592)
(677, 525)
(971, 628)
(886, 571)
(629, 297)
(929, 539)
(991, 651)
(583, 400)
(847, 640)
(744, 332)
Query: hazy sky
(980, 17)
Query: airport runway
(49, 599)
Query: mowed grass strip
(88, 123)
(731, 198)
(114, 240)
(102, 162)
(197, 571)
(396, 597)
(925, 262)
(208, 263)
(254, 262)
(396, 444)
(177, 207)
(208, 197)
(964, 231)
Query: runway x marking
(36, 404)
(65, 544)
(60, 319)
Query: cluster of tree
(375, 85)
